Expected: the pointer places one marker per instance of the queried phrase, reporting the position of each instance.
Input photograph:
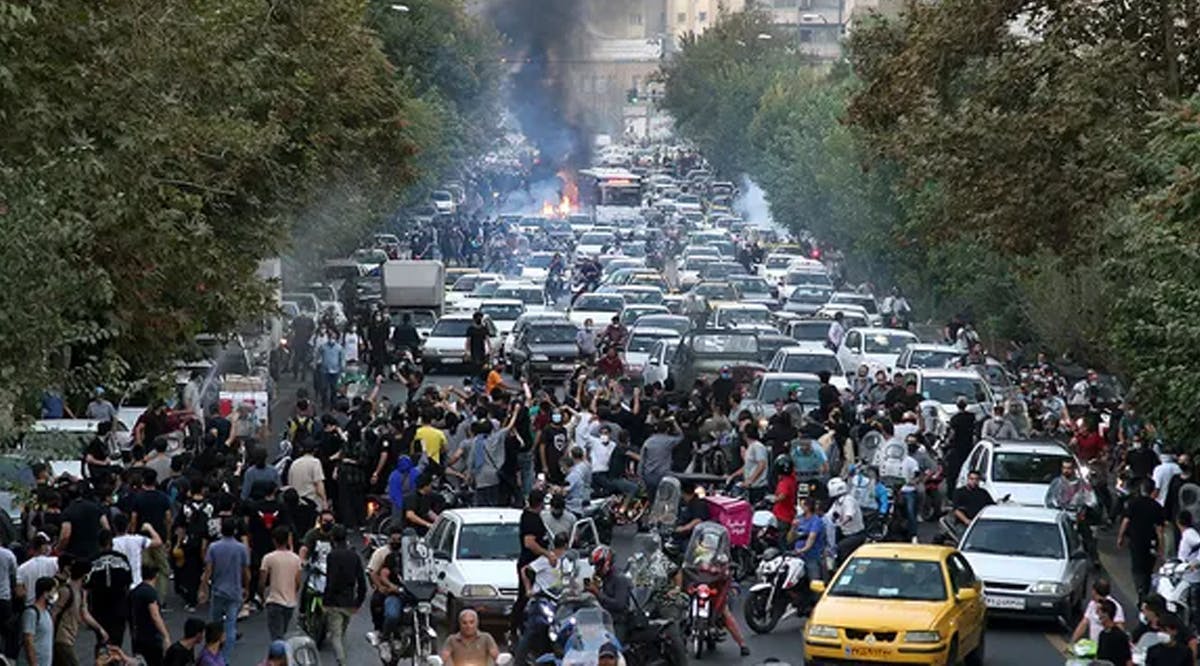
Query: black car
(545, 350)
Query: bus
(603, 186)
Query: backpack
(301, 427)
(891, 461)
(196, 518)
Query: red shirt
(785, 499)
(1090, 445)
(611, 366)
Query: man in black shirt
(550, 447)
(418, 505)
(1141, 458)
(1113, 643)
(722, 390)
(534, 544)
(150, 634)
(693, 510)
(1175, 652)
(962, 438)
(909, 401)
(827, 395)
(81, 525)
(108, 589)
(1142, 526)
(183, 651)
(345, 590)
(971, 499)
(479, 341)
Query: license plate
(561, 367)
(1008, 603)
(868, 652)
(702, 611)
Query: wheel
(719, 463)
(931, 508)
(698, 646)
(977, 655)
(316, 626)
(743, 563)
(952, 654)
(759, 617)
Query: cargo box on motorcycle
(735, 514)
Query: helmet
(837, 487)
(601, 559)
(783, 464)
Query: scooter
(415, 637)
(1169, 583)
(705, 627)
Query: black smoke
(548, 39)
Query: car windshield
(890, 578)
(779, 262)
(441, 196)
(885, 343)
(1015, 538)
(552, 334)
(451, 328)
(643, 297)
(539, 261)
(642, 342)
(810, 330)
(809, 295)
(946, 390)
(501, 311)
(723, 345)
(469, 282)
(527, 296)
(865, 302)
(596, 239)
(811, 363)
(743, 316)
(680, 325)
(597, 303)
(1026, 467)
(497, 541)
(720, 271)
(926, 358)
(807, 277)
(485, 289)
(752, 286)
(716, 292)
(775, 388)
(420, 318)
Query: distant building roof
(627, 50)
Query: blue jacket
(402, 480)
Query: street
(1010, 642)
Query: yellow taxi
(899, 604)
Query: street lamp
(401, 8)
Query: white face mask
(604, 438)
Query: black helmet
(783, 464)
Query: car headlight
(1050, 588)
(539, 357)
(480, 591)
(822, 631)
(922, 637)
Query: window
(806, 36)
(681, 17)
(635, 19)
(702, 17)
(853, 341)
(961, 576)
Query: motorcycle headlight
(539, 357)
(1050, 588)
(425, 607)
(822, 631)
(922, 637)
(480, 591)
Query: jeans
(278, 619)
(223, 608)
(525, 466)
(331, 386)
(339, 619)
(606, 483)
(909, 498)
(489, 496)
(393, 605)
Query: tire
(516, 373)
(759, 618)
(931, 508)
(743, 563)
(316, 625)
(698, 646)
(525, 653)
(952, 655)
(978, 655)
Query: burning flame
(568, 203)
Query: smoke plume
(547, 38)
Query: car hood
(499, 573)
(636, 358)
(883, 360)
(597, 316)
(554, 349)
(878, 614)
(1024, 494)
(1011, 569)
(435, 342)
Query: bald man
(469, 647)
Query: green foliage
(154, 152)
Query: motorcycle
(581, 632)
(1083, 652)
(781, 591)
(313, 620)
(1169, 582)
(706, 567)
(709, 457)
(414, 636)
(540, 629)
(654, 637)
(767, 531)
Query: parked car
(600, 308)
(768, 389)
(811, 360)
(658, 362)
(921, 355)
(702, 353)
(638, 348)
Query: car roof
(1044, 446)
(1032, 514)
(906, 551)
(454, 316)
(927, 346)
(655, 332)
(65, 425)
(512, 284)
(851, 294)
(637, 288)
(879, 330)
(807, 351)
(791, 376)
(948, 373)
(499, 301)
(647, 307)
(485, 516)
(742, 306)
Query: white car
(536, 267)
(658, 364)
(853, 316)
(532, 295)
(593, 243)
(475, 555)
(810, 360)
(804, 276)
(443, 201)
(807, 300)
(864, 301)
(941, 388)
(1021, 471)
(769, 389)
(873, 347)
(503, 312)
(808, 332)
(775, 267)
(482, 291)
(464, 285)
(447, 342)
(739, 315)
(639, 295)
(927, 356)
(600, 308)
(1031, 560)
(640, 345)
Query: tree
(154, 152)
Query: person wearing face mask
(557, 519)
(385, 571)
(550, 448)
(722, 389)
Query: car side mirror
(817, 586)
(966, 594)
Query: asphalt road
(1010, 643)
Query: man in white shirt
(837, 331)
(308, 478)
(1189, 552)
(846, 516)
(1090, 622)
(40, 565)
(131, 544)
(1166, 470)
(541, 576)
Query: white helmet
(837, 487)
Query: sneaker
(745, 650)
(189, 608)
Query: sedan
(640, 345)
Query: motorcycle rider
(1068, 491)
(809, 461)
(784, 507)
(611, 589)
(692, 512)
(847, 518)
(385, 571)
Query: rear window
(600, 303)
(716, 345)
